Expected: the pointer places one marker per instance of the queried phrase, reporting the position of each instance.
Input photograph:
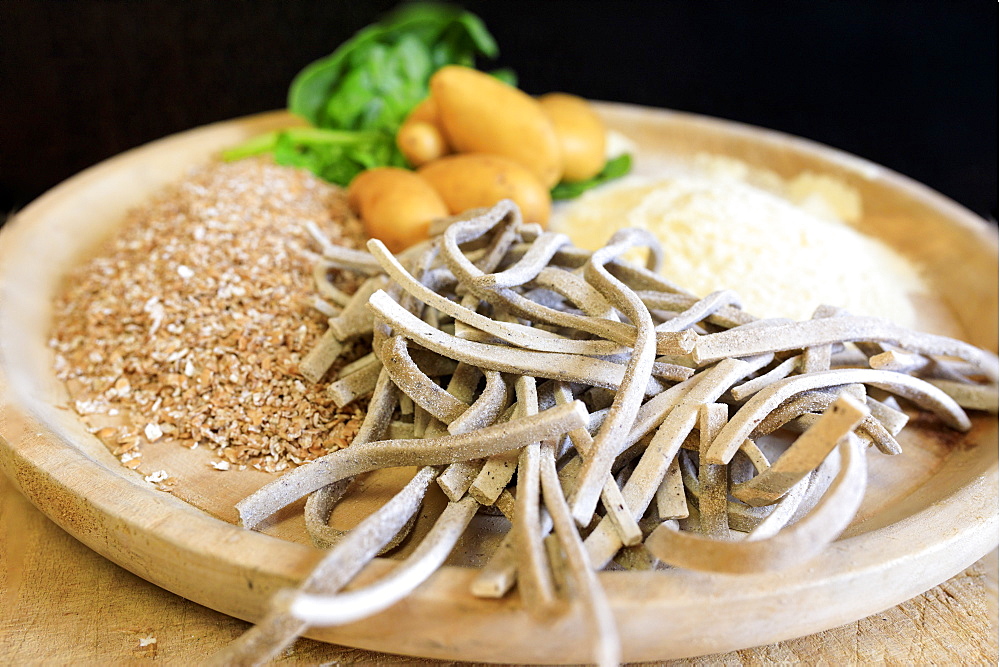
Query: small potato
(581, 135)
(472, 180)
(481, 114)
(420, 142)
(396, 205)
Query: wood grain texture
(60, 602)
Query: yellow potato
(581, 135)
(425, 111)
(395, 205)
(480, 114)
(420, 142)
(472, 180)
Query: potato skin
(581, 134)
(421, 138)
(396, 205)
(480, 114)
(420, 142)
(472, 180)
(425, 111)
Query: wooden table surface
(62, 603)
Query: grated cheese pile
(784, 260)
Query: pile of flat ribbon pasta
(609, 414)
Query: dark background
(911, 85)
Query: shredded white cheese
(782, 259)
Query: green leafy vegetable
(357, 97)
(615, 168)
(377, 76)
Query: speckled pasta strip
(800, 335)
(429, 555)
(925, 367)
(324, 307)
(325, 288)
(319, 507)
(705, 387)
(321, 357)
(804, 455)
(671, 372)
(571, 368)
(653, 412)
(457, 477)
(641, 278)
(969, 396)
(341, 257)
(607, 650)
(794, 544)
(486, 409)
(713, 479)
(870, 431)
(818, 357)
(355, 319)
(743, 391)
(753, 411)
(577, 291)
(500, 572)
(611, 495)
(597, 464)
(370, 537)
(358, 364)
(341, 564)
(360, 383)
(888, 414)
(671, 501)
(367, 456)
(383, 402)
(510, 300)
(414, 383)
(781, 512)
(726, 316)
(515, 334)
(528, 266)
(534, 577)
(497, 471)
(802, 404)
(700, 310)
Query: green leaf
(311, 87)
(613, 169)
(482, 41)
(414, 59)
(398, 55)
(335, 155)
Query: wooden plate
(929, 513)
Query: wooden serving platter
(929, 513)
